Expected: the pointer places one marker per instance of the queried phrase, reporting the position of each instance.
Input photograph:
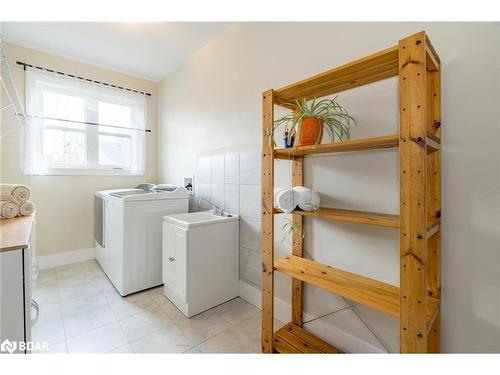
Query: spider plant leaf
(336, 132)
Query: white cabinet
(200, 260)
(15, 283)
(174, 261)
(12, 304)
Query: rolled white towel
(286, 199)
(8, 209)
(15, 193)
(307, 199)
(27, 208)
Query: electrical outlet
(189, 184)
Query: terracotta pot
(311, 131)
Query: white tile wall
(250, 202)
(218, 194)
(204, 191)
(232, 181)
(250, 168)
(232, 198)
(218, 169)
(250, 233)
(232, 169)
(250, 265)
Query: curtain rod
(24, 65)
(84, 122)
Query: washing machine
(128, 230)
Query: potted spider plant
(307, 122)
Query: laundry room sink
(200, 260)
(194, 219)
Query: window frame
(92, 133)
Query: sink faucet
(219, 211)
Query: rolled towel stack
(8, 209)
(27, 208)
(15, 193)
(308, 200)
(14, 201)
(287, 199)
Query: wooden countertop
(15, 233)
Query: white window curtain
(80, 127)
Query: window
(75, 127)
(114, 144)
(64, 143)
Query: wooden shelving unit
(416, 302)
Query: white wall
(64, 204)
(213, 102)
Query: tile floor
(81, 312)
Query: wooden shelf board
(372, 68)
(378, 295)
(294, 339)
(352, 216)
(386, 141)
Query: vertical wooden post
(436, 331)
(434, 207)
(413, 202)
(297, 243)
(267, 223)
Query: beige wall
(64, 204)
(213, 101)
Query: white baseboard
(282, 309)
(64, 258)
(250, 294)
